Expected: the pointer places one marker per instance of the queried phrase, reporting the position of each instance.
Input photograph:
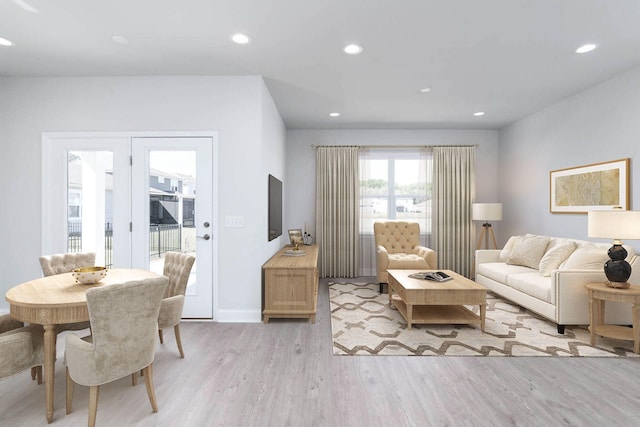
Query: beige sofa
(547, 276)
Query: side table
(598, 293)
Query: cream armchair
(398, 247)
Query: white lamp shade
(616, 224)
(486, 211)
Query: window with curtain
(395, 184)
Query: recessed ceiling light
(352, 49)
(425, 89)
(334, 114)
(5, 42)
(240, 38)
(586, 48)
(120, 40)
(478, 113)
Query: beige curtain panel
(454, 191)
(337, 211)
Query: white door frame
(54, 196)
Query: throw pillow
(529, 251)
(508, 247)
(588, 257)
(552, 259)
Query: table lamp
(486, 212)
(616, 224)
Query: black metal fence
(162, 238)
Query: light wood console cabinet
(290, 285)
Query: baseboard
(239, 316)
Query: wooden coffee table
(428, 302)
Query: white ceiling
(509, 58)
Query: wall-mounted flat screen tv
(275, 207)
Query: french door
(174, 210)
(131, 199)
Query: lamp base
(617, 285)
(617, 269)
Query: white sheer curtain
(395, 183)
(337, 216)
(454, 191)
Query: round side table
(598, 293)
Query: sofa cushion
(586, 257)
(533, 284)
(554, 256)
(528, 251)
(499, 271)
(508, 247)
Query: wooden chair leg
(39, 374)
(33, 373)
(94, 391)
(148, 381)
(134, 379)
(176, 329)
(160, 335)
(69, 392)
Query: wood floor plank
(284, 374)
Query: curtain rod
(394, 146)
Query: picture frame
(295, 236)
(595, 187)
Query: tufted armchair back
(64, 263)
(177, 267)
(397, 236)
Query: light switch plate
(231, 221)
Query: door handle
(205, 237)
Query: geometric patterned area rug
(363, 323)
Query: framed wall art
(596, 187)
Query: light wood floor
(284, 374)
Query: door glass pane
(172, 215)
(90, 204)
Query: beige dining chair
(122, 342)
(177, 267)
(21, 347)
(66, 263)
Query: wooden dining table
(55, 300)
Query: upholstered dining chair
(123, 320)
(65, 263)
(398, 248)
(21, 347)
(177, 267)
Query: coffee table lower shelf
(437, 314)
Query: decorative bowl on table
(89, 275)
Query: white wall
(300, 178)
(597, 125)
(239, 108)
